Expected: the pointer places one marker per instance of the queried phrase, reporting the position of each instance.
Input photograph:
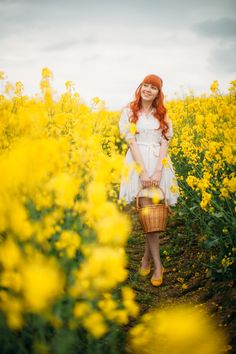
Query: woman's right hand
(145, 179)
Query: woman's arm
(137, 156)
(124, 126)
(163, 153)
(156, 176)
(129, 135)
(164, 146)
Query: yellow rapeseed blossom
(2, 75)
(65, 188)
(129, 301)
(12, 307)
(103, 269)
(214, 86)
(43, 282)
(69, 85)
(205, 200)
(133, 128)
(113, 228)
(179, 329)
(95, 324)
(61, 163)
(68, 241)
(46, 73)
(96, 100)
(10, 254)
(227, 261)
(19, 88)
(165, 162)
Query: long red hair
(157, 103)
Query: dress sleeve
(125, 125)
(170, 131)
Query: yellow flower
(227, 261)
(70, 241)
(181, 280)
(179, 329)
(10, 254)
(14, 315)
(113, 228)
(145, 211)
(214, 86)
(96, 100)
(96, 192)
(69, 85)
(12, 280)
(224, 192)
(47, 73)
(133, 128)
(81, 309)
(192, 181)
(232, 185)
(174, 189)
(43, 282)
(205, 200)
(8, 88)
(65, 188)
(19, 221)
(2, 75)
(95, 324)
(128, 296)
(19, 88)
(96, 273)
(165, 162)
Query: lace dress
(148, 139)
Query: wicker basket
(153, 217)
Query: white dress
(148, 140)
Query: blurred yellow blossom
(179, 329)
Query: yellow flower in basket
(145, 210)
(156, 196)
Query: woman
(147, 129)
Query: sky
(107, 47)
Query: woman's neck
(146, 107)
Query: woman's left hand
(155, 178)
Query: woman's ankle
(146, 258)
(157, 265)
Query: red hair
(157, 103)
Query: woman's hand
(155, 178)
(145, 179)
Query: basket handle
(137, 198)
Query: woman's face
(149, 92)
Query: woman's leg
(152, 246)
(147, 253)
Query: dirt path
(185, 278)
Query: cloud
(222, 28)
(222, 31)
(222, 59)
(67, 44)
